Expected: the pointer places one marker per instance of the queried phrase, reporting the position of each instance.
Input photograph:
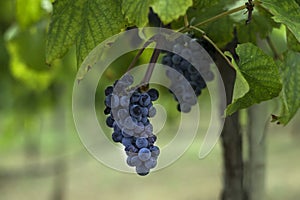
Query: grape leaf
(220, 31)
(292, 42)
(28, 12)
(286, 12)
(169, 10)
(261, 24)
(241, 86)
(136, 11)
(203, 10)
(84, 23)
(30, 70)
(201, 4)
(261, 73)
(290, 96)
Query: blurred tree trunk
(231, 136)
(32, 137)
(233, 161)
(60, 167)
(232, 145)
(256, 165)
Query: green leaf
(260, 72)
(30, 70)
(292, 42)
(261, 24)
(205, 9)
(169, 10)
(290, 96)
(28, 12)
(136, 11)
(286, 12)
(220, 31)
(241, 86)
(200, 4)
(85, 23)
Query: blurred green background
(41, 156)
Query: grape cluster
(194, 53)
(129, 111)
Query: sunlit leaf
(261, 73)
(136, 11)
(85, 23)
(26, 64)
(169, 10)
(28, 12)
(290, 71)
(286, 12)
(292, 42)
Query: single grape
(167, 60)
(117, 137)
(108, 90)
(145, 99)
(186, 53)
(144, 111)
(153, 93)
(144, 154)
(107, 110)
(114, 101)
(151, 163)
(176, 59)
(136, 161)
(135, 97)
(128, 161)
(155, 151)
(142, 170)
(141, 142)
(129, 124)
(135, 111)
(110, 121)
(152, 139)
(131, 150)
(122, 114)
(124, 101)
(152, 112)
(108, 101)
(127, 141)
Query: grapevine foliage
(285, 12)
(85, 23)
(261, 74)
(136, 11)
(290, 72)
(88, 22)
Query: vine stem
(221, 15)
(234, 10)
(151, 66)
(186, 21)
(212, 43)
(140, 52)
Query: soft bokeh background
(42, 157)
